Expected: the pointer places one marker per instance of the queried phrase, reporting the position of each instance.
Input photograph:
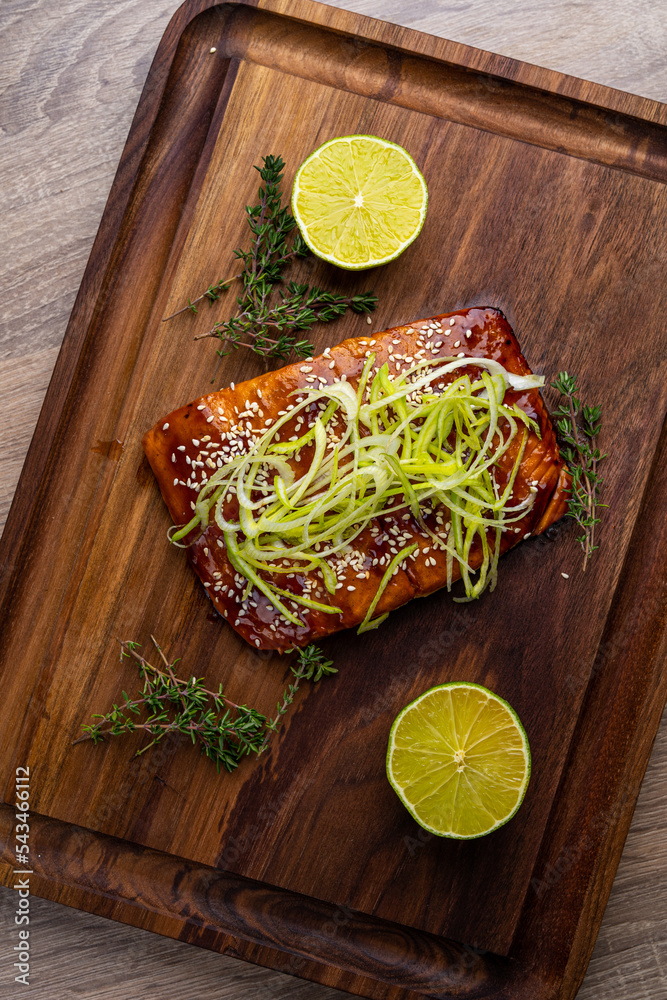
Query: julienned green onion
(389, 444)
(369, 622)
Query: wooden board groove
(219, 901)
(543, 180)
(483, 101)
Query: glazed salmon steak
(186, 447)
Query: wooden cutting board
(547, 199)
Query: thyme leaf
(578, 427)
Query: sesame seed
(451, 322)
(305, 369)
(369, 320)
(202, 406)
(176, 481)
(212, 49)
(165, 427)
(527, 535)
(461, 355)
(209, 419)
(350, 587)
(457, 343)
(232, 386)
(468, 333)
(566, 576)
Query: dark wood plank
(299, 926)
(120, 961)
(553, 240)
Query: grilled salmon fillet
(186, 447)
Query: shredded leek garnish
(384, 446)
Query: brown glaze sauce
(194, 434)
(110, 449)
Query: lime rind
(519, 792)
(337, 194)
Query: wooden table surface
(70, 79)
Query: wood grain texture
(628, 987)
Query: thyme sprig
(225, 731)
(212, 294)
(580, 451)
(311, 666)
(272, 332)
(267, 323)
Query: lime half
(459, 760)
(359, 201)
